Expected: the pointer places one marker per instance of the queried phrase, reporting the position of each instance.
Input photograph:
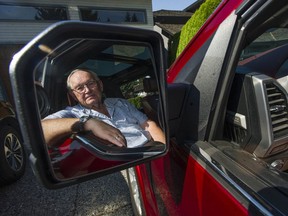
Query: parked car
(12, 152)
(222, 106)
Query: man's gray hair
(94, 75)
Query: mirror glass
(124, 94)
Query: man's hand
(105, 131)
(154, 130)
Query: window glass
(113, 16)
(122, 57)
(270, 39)
(13, 12)
(266, 54)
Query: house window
(113, 16)
(28, 13)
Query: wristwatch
(79, 126)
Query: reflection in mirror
(103, 101)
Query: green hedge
(191, 28)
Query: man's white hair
(94, 75)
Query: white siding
(22, 32)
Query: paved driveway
(108, 195)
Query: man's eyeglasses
(81, 88)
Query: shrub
(195, 22)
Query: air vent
(278, 110)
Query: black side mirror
(125, 53)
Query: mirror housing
(22, 74)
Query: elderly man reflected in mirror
(111, 119)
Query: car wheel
(12, 155)
(135, 195)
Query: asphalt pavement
(108, 195)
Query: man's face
(85, 89)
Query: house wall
(20, 32)
(15, 34)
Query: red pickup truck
(222, 106)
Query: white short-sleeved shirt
(124, 116)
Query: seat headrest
(150, 85)
(111, 89)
